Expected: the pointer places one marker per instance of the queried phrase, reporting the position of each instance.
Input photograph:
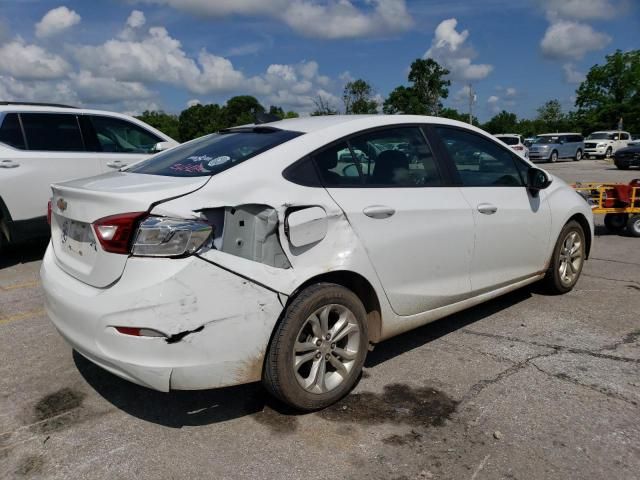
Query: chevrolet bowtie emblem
(61, 204)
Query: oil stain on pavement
(58, 410)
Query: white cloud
(449, 50)
(136, 19)
(510, 92)
(30, 62)
(323, 19)
(55, 21)
(37, 91)
(193, 102)
(571, 40)
(493, 102)
(106, 90)
(571, 75)
(582, 9)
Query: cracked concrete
(557, 377)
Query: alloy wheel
(326, 348)
(571, 258)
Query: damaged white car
(280, 252)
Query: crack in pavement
(615, 261)
(579, 351)
(610, 279)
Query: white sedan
(264, 252)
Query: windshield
(600, 136)
(547, 140)
(509, 140)
(212, 154)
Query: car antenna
(263, 117)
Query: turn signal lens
(115, 232)
(49, 212)
(139, 332)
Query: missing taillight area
(115, 232)
(170, 237)
(140, 332)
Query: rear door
(415, 227)
(511, 225)
(52, 150)
(117, 143)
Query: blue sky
(164, 54)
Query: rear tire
(578, 156)
(567, 259)
(633, 225)
(554, 157)
(608, 153)
(615, 222)
(318, 349)
(621, 166)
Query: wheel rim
(571, 257)
(608, 153)
(635, 225)
(326, 348)
(579, 155)
(554, 156)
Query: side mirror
(537, 180)
(161, 147)
(306, 226)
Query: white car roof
(608, 131)
(557, 134)
(315, 124)
(508, 135)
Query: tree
(199, 120)
(404, 100)
(280, 113)
(357, 97)
(610, 92)
(240, 110)
(550, 116)
(166, 123)
(503, 122)
(323, 107)
(454, 114)
(429, 83)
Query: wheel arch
(582, 220)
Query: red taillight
(518, 147)
(115, 232)
(49, 212)
(139, 332)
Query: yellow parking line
(18, 286)
(22, 316)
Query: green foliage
(323, 107)
(280, 113)
(240, 110)
(503, 122)
(611, 91)
(454, 114)
(165, 122)
(550, 117)
(357, 97)
(423, 97)
(199, 120)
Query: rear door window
(212, 154)
(10, 131)
(57, 132)
(119, 136)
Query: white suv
(605, 143)
(516, 143)
(45, 143)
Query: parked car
(44, 143)
(606, 143)
(627, 157)
(254, 254)
(552, 146)
(516, 143)
(635, 140)
(529, 141)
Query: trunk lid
(76, 204)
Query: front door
(511, 225)
(418, 232)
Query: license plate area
(77, 239)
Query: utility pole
(472, 99)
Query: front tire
(567, 259)
(554, 157)
(622, 166)
(608, 153)
(578, 156)
(318, 349)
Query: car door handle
(116, 164)
(487, 208)
(378, 211)
(8, 164)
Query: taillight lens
(170, 237)
(518, 147)
(49, 212)
(116, 232)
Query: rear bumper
(172, 296)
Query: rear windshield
(212, 154)
(544, 140)
(510, 140)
